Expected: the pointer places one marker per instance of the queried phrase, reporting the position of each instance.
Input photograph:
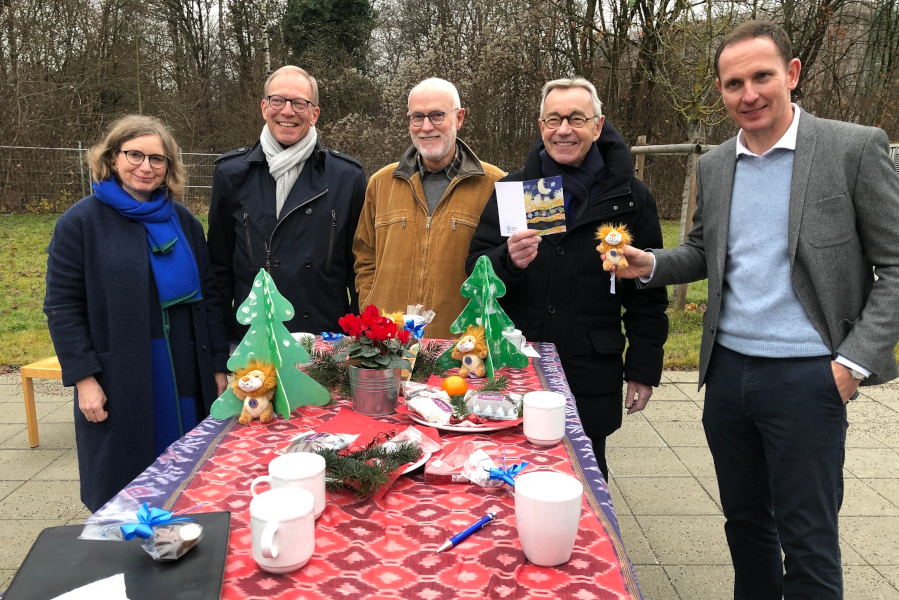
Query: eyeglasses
(279, 102)
(576, 121)
(436, 117)
(136, 158)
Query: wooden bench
(46, 369)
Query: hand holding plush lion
(255, 385)
(613, 238)
(471, 349)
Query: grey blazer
(843, 230)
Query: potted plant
(378, 352)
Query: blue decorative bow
(416, 330)
(148, 518)
(507, 474)
(331, 337)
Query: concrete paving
(662, 482)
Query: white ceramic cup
(283, 529)
(548, 513)
(303, 470)
(544, 418)
(515, 338)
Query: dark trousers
(777, 431)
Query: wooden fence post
(688, 207)
(641, 159)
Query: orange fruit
(454, 386)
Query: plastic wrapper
(414, 435)
(456, 458)
(432, 407)
(493, 406)
(312, 441)
(164, 537)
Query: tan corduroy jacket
(405, 256)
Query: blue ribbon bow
(507, 474)
(148, 518)
(331, 337)
(416, 330)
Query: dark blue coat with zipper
(564, 296)
(308, 251)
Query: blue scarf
(171, 260)
(576, 181)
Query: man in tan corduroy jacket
(420, 214)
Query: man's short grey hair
(564, 84)
(296, 71)
(436, 83)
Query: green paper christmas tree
(268, 341)
(484, 287)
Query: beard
(436, 151)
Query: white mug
(544, 418)
(303, 470)
(548, 514)
(515, 338)
(283, 529)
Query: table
(386, 548)
(46, 369)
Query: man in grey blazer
(794, 218)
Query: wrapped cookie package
(493, 406)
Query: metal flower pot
(375, 391)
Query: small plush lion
(255, 385)
(612, 238)
(471, 349)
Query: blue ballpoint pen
(457, 539)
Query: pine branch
(497, 385)
(460, 407)
(426, 363)
(326, 370)
(366, 469)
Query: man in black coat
(557, 290)
(289, 206)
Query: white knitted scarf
(286, 164)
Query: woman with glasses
(133, 310)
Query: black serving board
(59, 562)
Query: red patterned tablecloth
(386, 548)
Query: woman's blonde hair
(102, 156)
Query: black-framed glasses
(436, 117)
(279, 102)
(136, 158)
(576, 121)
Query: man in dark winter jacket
(557, 290)
(289, 206)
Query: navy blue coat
(98, 311)
(308, 250)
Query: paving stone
(6, 576)
(8, 430)
(710, 485)
(686, 540)
(689, 389)
(635, 432)
(888, 488)
(698, 459)
(685, 433)
(651, 462)
(873, 463)
(63, 414)
(866, 582)
(663, 412)
(12, 412)
(891, 574)
(849, 556)
(654, 583)
(667, 391)
(59, 500)
(889, 392)
(857, 436)
(713, 582)
(860, 500)
(666, 496)
(682, 376)
(64, 468)
(25, 464)
(635, 543)
(17, 537)
(886, 433)
(8, 487)
(52, 435)
(876, 539)
(866, 412)
(618, 501)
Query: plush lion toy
(471, 349)
(255, 385)
(612, 238)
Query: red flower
(351, 325)
(403, 336)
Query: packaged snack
(448, 468)
(171, 542)
(493, 406)
(311, 441)
(432, 407)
